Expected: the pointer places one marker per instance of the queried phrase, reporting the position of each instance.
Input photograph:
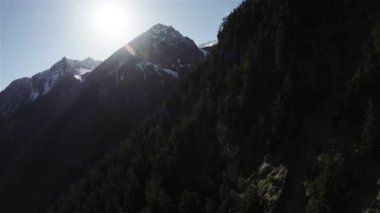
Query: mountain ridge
(281, 117)
(69, 128)
(25, 90)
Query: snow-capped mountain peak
(25, 90)
(163, 43)
(160, 54)
(160, 32)
(90, 62)
(44, 81)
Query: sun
(112, 19)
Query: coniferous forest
(283, 116)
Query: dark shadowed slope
(50, 142)
(282, 117)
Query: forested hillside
(282, 117)
(62, 121)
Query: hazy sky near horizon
(36, 34)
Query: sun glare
(112, 20)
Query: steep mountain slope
(282, 117)
(25, 90)
(51, 142)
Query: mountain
(50, 142)
(281, 117)
(163, 44)
(159, 54)
(208, 44)
(25, 90)
(208, 47)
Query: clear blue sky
(36, 34)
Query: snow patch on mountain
(208, 44)
(26, 90)
(33, 95)
(170, 72)
(80, 72)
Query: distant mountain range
(25, 90)
(61, 121)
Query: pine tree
(366, 143)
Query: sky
(35, 34)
